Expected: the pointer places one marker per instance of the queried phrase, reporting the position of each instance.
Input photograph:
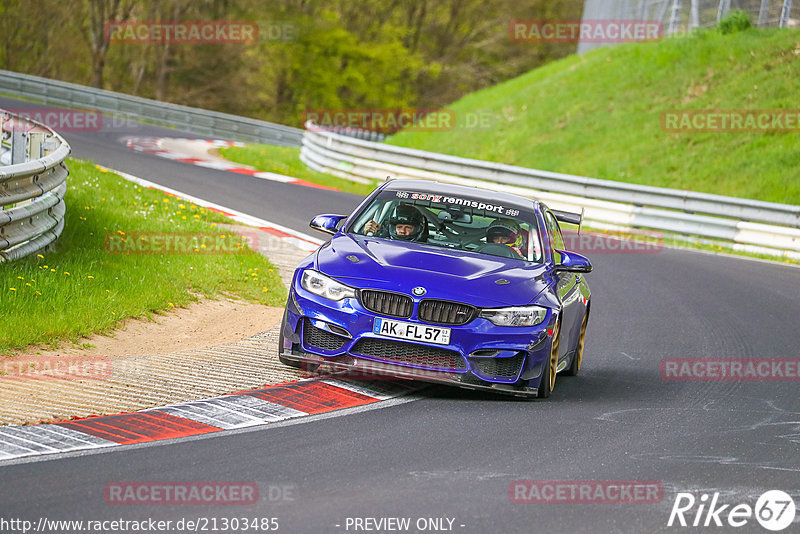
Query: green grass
(599, 115)
(286, 160)
(80, 289)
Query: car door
(567, 288)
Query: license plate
(417, 332)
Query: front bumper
(337, 337)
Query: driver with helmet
(507, 232)
(406, 224)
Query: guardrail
(32, 186)
(755, 226)
(194, 120)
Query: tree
(101, 13)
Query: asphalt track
(453, 454)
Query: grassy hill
(599, 115)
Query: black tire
(548, 382)
(577, 359)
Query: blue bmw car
(441, 283)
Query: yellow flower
(183, 217)
(52, 270)
(171, 305)
(181, 206)
(120, 232)
(20, 278)
(28, 284)
(12, 288)
(39, 256)
(90, 277)
(166, 200)
(66, 273)
(36, 293)
(178, 213)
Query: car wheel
(548, 382)
(577, 359)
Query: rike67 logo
(774, 510)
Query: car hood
(444, 273)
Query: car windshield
(455, 222)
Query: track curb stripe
(312, 398)
(256, 407)
(139, 427)
(154, 145)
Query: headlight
(516, 316)
(326, 287)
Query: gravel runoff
(152, 380)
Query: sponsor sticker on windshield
(459, 201)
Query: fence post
(49, 145)
(762, 12)
(694, 15)
(675, 16)
(787, 9)
(724, 7)
(35, 145)
(17, 147)
(643, 10)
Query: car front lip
(360, 369)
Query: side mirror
(573, 262)
(327, 223)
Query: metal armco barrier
(32, 186)
(751, 225)
(194, 120)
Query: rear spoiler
(569, 217)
